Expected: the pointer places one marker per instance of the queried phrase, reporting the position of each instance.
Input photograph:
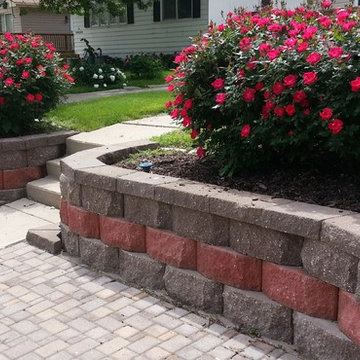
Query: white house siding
(43, 22)
(144, 35)
(16, 18)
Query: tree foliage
(84, 6)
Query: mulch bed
(333, 188)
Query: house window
(6, 23)
(177, 9)
(104, 18)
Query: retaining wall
(23, 159)
(288, 270)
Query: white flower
(81, 68)
(112, 78)
(95, 76)
(101, 77)
(96, 86)
(105, 85)
(100, 71)
(112, 69)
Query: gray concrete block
(40, 155)
(10, 160)
(190, 288)
(12, 194)
(147, 212)
(254, 311)
(102, 202)
(98, 255)
(46, 238)
(343, 232)
(265, 244)
(140, 270)
(330, 264)
(201, 226)
(319, 339)
(70, 190)
(70, 241)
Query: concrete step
(134, 130)
(53, 168)
(45, 191)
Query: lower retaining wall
(23, 159)
(286, 270)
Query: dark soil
(332, 188)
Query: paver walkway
(52, 308)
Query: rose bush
(32, 81)
(273, 87)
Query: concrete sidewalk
(71, 98)
(18, 217)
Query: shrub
(145, 66)
(99, 75)
(32, 82)
(274, 87)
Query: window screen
(169, 9)
(184, 8)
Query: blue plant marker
(146, 166)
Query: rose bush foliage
(273, 87)
(32, 81)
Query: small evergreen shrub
(32, 81)
(145, 67)
(273, 87)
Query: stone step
(134, 130)
(45, 191)
(53, 168)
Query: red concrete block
(294, 288)
(349, 316)
(83, 223)
(170, 248)
(18, 178)
(122, 234)
(64, 212)
(1, 180)
(229, 267)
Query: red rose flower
(200, 152)
(245, 131)
(290, 80)
(326, 114)
(313, 58)
(220, 98)
(30, 98)
(335, 52)
(279, 111)
(355, 84)
(38, 97)
(188, 104)
(299, 96)
(218, 84)
(194, 133)
(290, 109)
(309, 77)
(2, 101)
(249, 95)
(336, 126)
(278, 88)
(168, 105)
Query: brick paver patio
(52, 308)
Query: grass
(132, 81)
(177, 139)
(135, 158)
(94, 114)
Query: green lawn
(175, 139)
(94, 114)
